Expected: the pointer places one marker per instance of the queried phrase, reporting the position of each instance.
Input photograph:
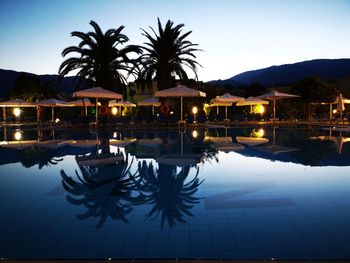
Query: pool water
(215, 193)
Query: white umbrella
(227, 97)
(250, 101)
(340, 105)
(53, 103)
(216, 103)
(180, 91)
(82, 103)
(154, 102)
(14, 103)
(114, 103)
(276, 95)
(97, 93)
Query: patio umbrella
(227, 97)
(97, 93)
(14, 103)
(250, 101)
(82, 103)
(180, 91)
(215, 103)
(340, 105)
(276, 95)
(53, 103)
(154, 102)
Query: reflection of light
(259, 133)
(114, 111)
(194, 110)
(194, 134)
(57, 120)
(114, 134)
(18, 135)
(334, 111)
(16, 112)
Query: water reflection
(169, 190)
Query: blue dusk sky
(235, 36)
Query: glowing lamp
(334, 111)
(114, 111)
(194, 134)
(194, 110)
(18, 135)
(16, 112)
(114, 135)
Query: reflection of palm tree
(104, 191)
(43, 157)
(168, 192)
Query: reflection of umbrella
(251, 141)
(251, 101)
(121, 143)
(154, 102)
(180, 91)
(275, 149)
(340, 105)
(53, 103)
(227, 97)
(276, 95)
(97, 93)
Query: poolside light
(259, 133)
(57, 120)
(114, 111)
(18, 135)
(334, 111)
(261, 109)
(194, 134)
(114, 135)
(17, 112)
(194, 111)
(171, 113)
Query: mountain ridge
(327, 69)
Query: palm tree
(166, 55)
(100, 58)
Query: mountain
(8, 79)
(327, 69)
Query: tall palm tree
(100, 57)
(166, 56)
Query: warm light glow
(18, 135)
(171, 113)
(16, 112)
(194, 110)
(334, 111)
(194, 134)
(57, 120)
(259, 133)
(114, 111)
(259, 109)
(114, 135)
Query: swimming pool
(214, 193)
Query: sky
(235, 36)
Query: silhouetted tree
(313, 91)
(30, 88)
(166, 54)
(100, 57)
